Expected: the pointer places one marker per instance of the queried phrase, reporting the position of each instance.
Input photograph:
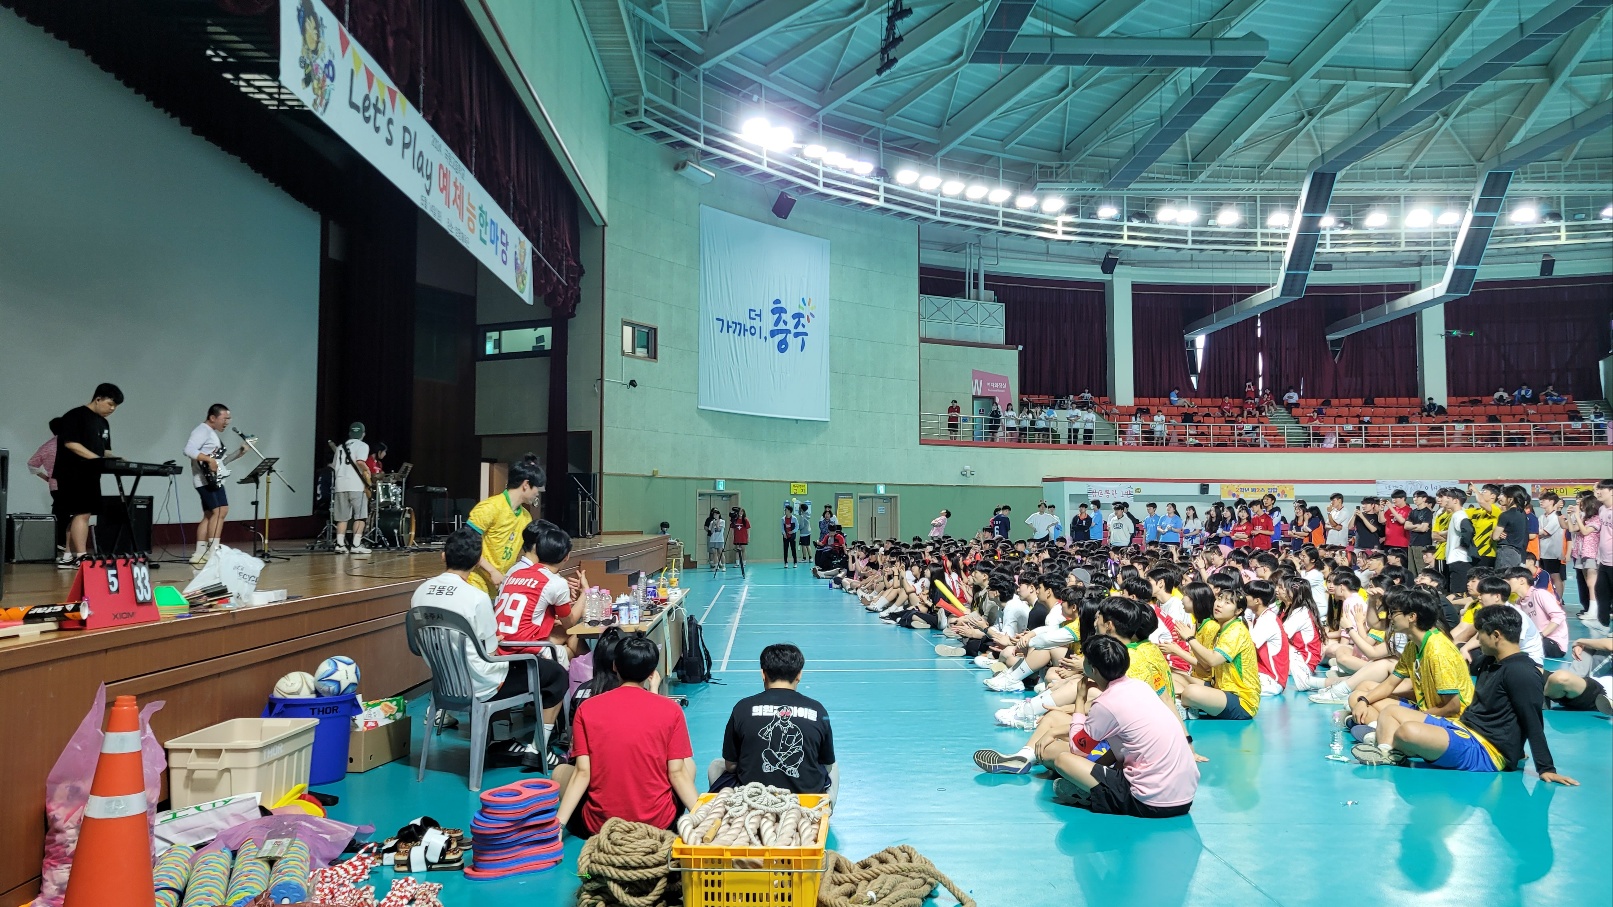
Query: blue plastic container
(335, 716)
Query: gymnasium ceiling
(1005, 90)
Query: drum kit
(391, 524)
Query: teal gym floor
(1274, 822)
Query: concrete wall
(945, 370)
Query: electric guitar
(362, 469)
(213, 477)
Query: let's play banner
(333, 75)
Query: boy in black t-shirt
(778, 736)
(83, 440)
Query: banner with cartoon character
(764, 319)
(336, 79)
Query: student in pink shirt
(1543, 608)
(1155, 776)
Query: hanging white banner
(1387, 487)
(1110, 492)
(335, 78)
(764, 319)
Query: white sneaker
(1306, 682)
(984, 661)
(946, 651)
(67, 562)
(1023, 715)
(1589, 617)
(360, 549)
(341, 549)
(1337, 694)
(1003, 683)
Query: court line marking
(733, 630)
(713, 603)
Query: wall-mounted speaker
(1548, 265)
(1204, 488)
(783, 206)
(1110, 260)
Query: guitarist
(349, 497)
(205, 450)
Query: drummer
(377, 458)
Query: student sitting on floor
(1430, 673)
(1154, 775)
(779, 737)
(1574, 693)
(630, 752)
(1493, 590)
(1490, 734)
(1266, 632)
(1234, 689)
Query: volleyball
(337, 676)
(296, 685)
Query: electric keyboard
(132, 469)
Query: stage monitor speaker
(30, 538)
(1204, 488)
(5, 482)
(116, 528)
(783, 206)
(1548, 266)
(1110, 260)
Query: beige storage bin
(267, 755)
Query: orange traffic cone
(112, 863)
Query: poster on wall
(1110, 492)
(340, 82)
(1231, 492)
(1386, 487)
(764, 319)
(991, 384)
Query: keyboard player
(84, 440)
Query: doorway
(979, 425)
(877, 517)
(725, 502)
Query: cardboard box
(381, 712)
(378, 746)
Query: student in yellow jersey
(501, 518)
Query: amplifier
(30, 538)
(123, 531)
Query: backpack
(694, 666)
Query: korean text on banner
(764, 319)
(340, 82)
(991, 384)
(1109, 493)
(1231, 492)
(1384, 488)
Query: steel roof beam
(1568, 56)
(864, 74)
(828, 32)
(1191, 107)
(1243, 52)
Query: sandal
(435, 852)
(416, 829)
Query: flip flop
(412, 832)
(435, 852)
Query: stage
(218, 666)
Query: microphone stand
(268, 477)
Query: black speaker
(123, 531)
(1548, 266)
(1204, 488)
(30, 538)
(783, 206)
(1110, 260)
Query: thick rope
(894, 877)
(628, 865)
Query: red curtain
(1159, 354)
(1059, 323)
(1548, 331)
(1230, 354)
(1381, 362)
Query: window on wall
(516, 340)
(638, 340)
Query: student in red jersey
(631, 753)
(739, 526)
(1394, 518)
(1260, 527)
(1242, 528)
(531, 598)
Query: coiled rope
(628, 865)
(894, 877)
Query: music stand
(262, 476)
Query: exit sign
(722, 484)
(879, 489)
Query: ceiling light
(1278, 218)
(813, 151)
(1187, 215)
(834, 158)
(929, 182)
(780, 138)
(1607, 213)
(952, 187)
(998, 195)
(975, 192)
(756, 129)
(1025, 201)
(862, 168)
(1229, 217)
(1166, 215)
(1418, 218)
(1107, 211)
(1053, 204)
(1450, 217)
(1524, 214)
(1327, 222)
(907, 176)
(1377, 219)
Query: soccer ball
(337, 676)
(296, 685)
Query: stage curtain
(1061, 327)
(1548, 331)
(1379, 362)
(1159, 354)
(1230, 354)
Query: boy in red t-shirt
(1394, 523)
(631, 753)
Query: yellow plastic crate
(714, 876)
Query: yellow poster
(1230, 492)
(798, 488)
(846, 511)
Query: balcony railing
(970, 429)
